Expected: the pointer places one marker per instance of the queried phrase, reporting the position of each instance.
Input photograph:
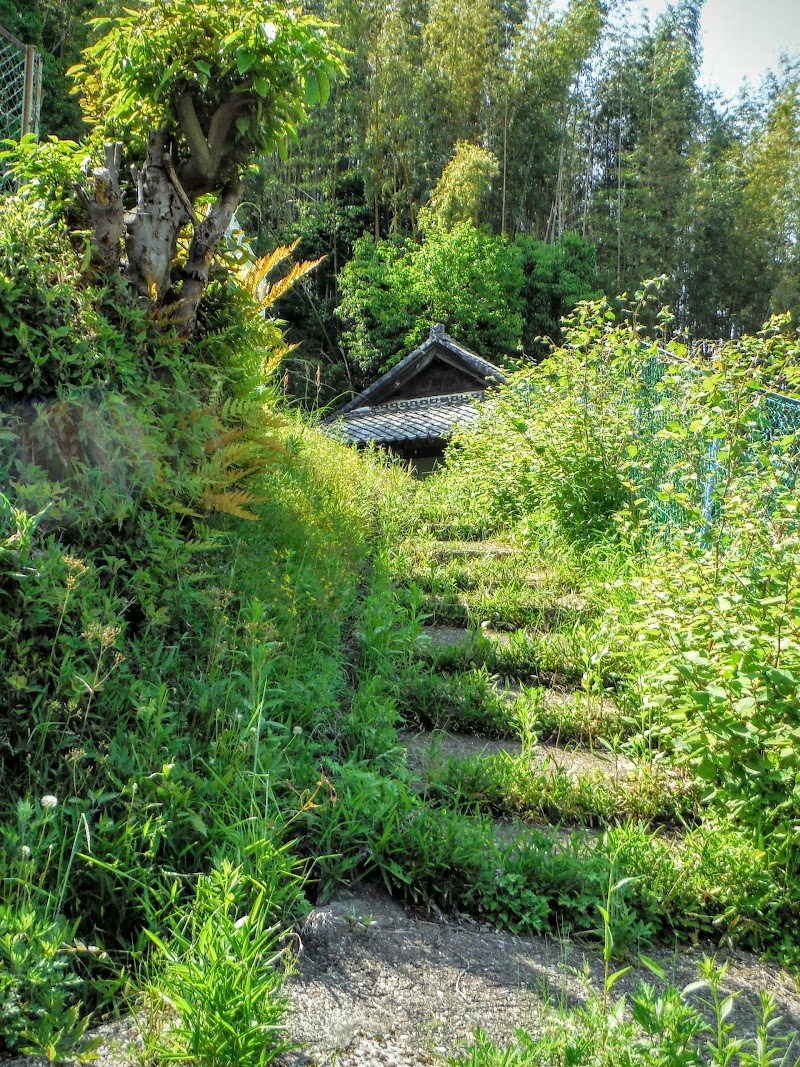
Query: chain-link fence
(662, 405)
(20, 87)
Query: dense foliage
(463, 277)
(599, 130)
(199, 711)
(630, 154)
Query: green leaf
(261, 86)
(707, 770)
(612, 979)
(245, 58)
(311, 88)
(653, 966)
(324, 86)
(156, 941)
(196, 822)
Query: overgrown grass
(658, 1024)
(548, 789)
(202, 726)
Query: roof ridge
(417, 401)
(438, 336)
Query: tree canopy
(570, 123)
(200, 89)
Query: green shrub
(557, 276)
(392, 291)
(557, 440)
(40, 1007)
(656, 1026)
(715, 622)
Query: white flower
(26, 852)
(297, 730)
(49, 802)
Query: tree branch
(205, 242)
(176, 184)
(222, 120)
(200, 173)
(193, 132)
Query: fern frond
(272, 444)
(179, 509)
(231, 503)
(297, 271)
(225, 439)
(258, 270)
(236, 454)
(222, 479)
(255, 282)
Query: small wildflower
(49, 802)
(25, 852)
(297, 730)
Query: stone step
(445, 551)
(427, 751)
(440, 638)
(377, 985)
(529, 612)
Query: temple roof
(421, 419)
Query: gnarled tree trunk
(141, 243)
(152, 228)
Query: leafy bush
(140, 665)
(39, 988)
(216, 996)
(716, 622)
(658, 1027)
(556, 440)
(393, 291)
(557, 277)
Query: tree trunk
(105, 210)
(208, 233)
(153, 227)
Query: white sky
(741, 38)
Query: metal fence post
(20, 87)
(708, 491)
(27, 91)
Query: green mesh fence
(12, 88)
(661, 403)
(20, 90)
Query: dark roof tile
(428, 418)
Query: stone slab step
(445, 551)
(429, 750)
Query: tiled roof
(426, 418)
(481, 368)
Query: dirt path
(377, 985)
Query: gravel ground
(380, 986)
